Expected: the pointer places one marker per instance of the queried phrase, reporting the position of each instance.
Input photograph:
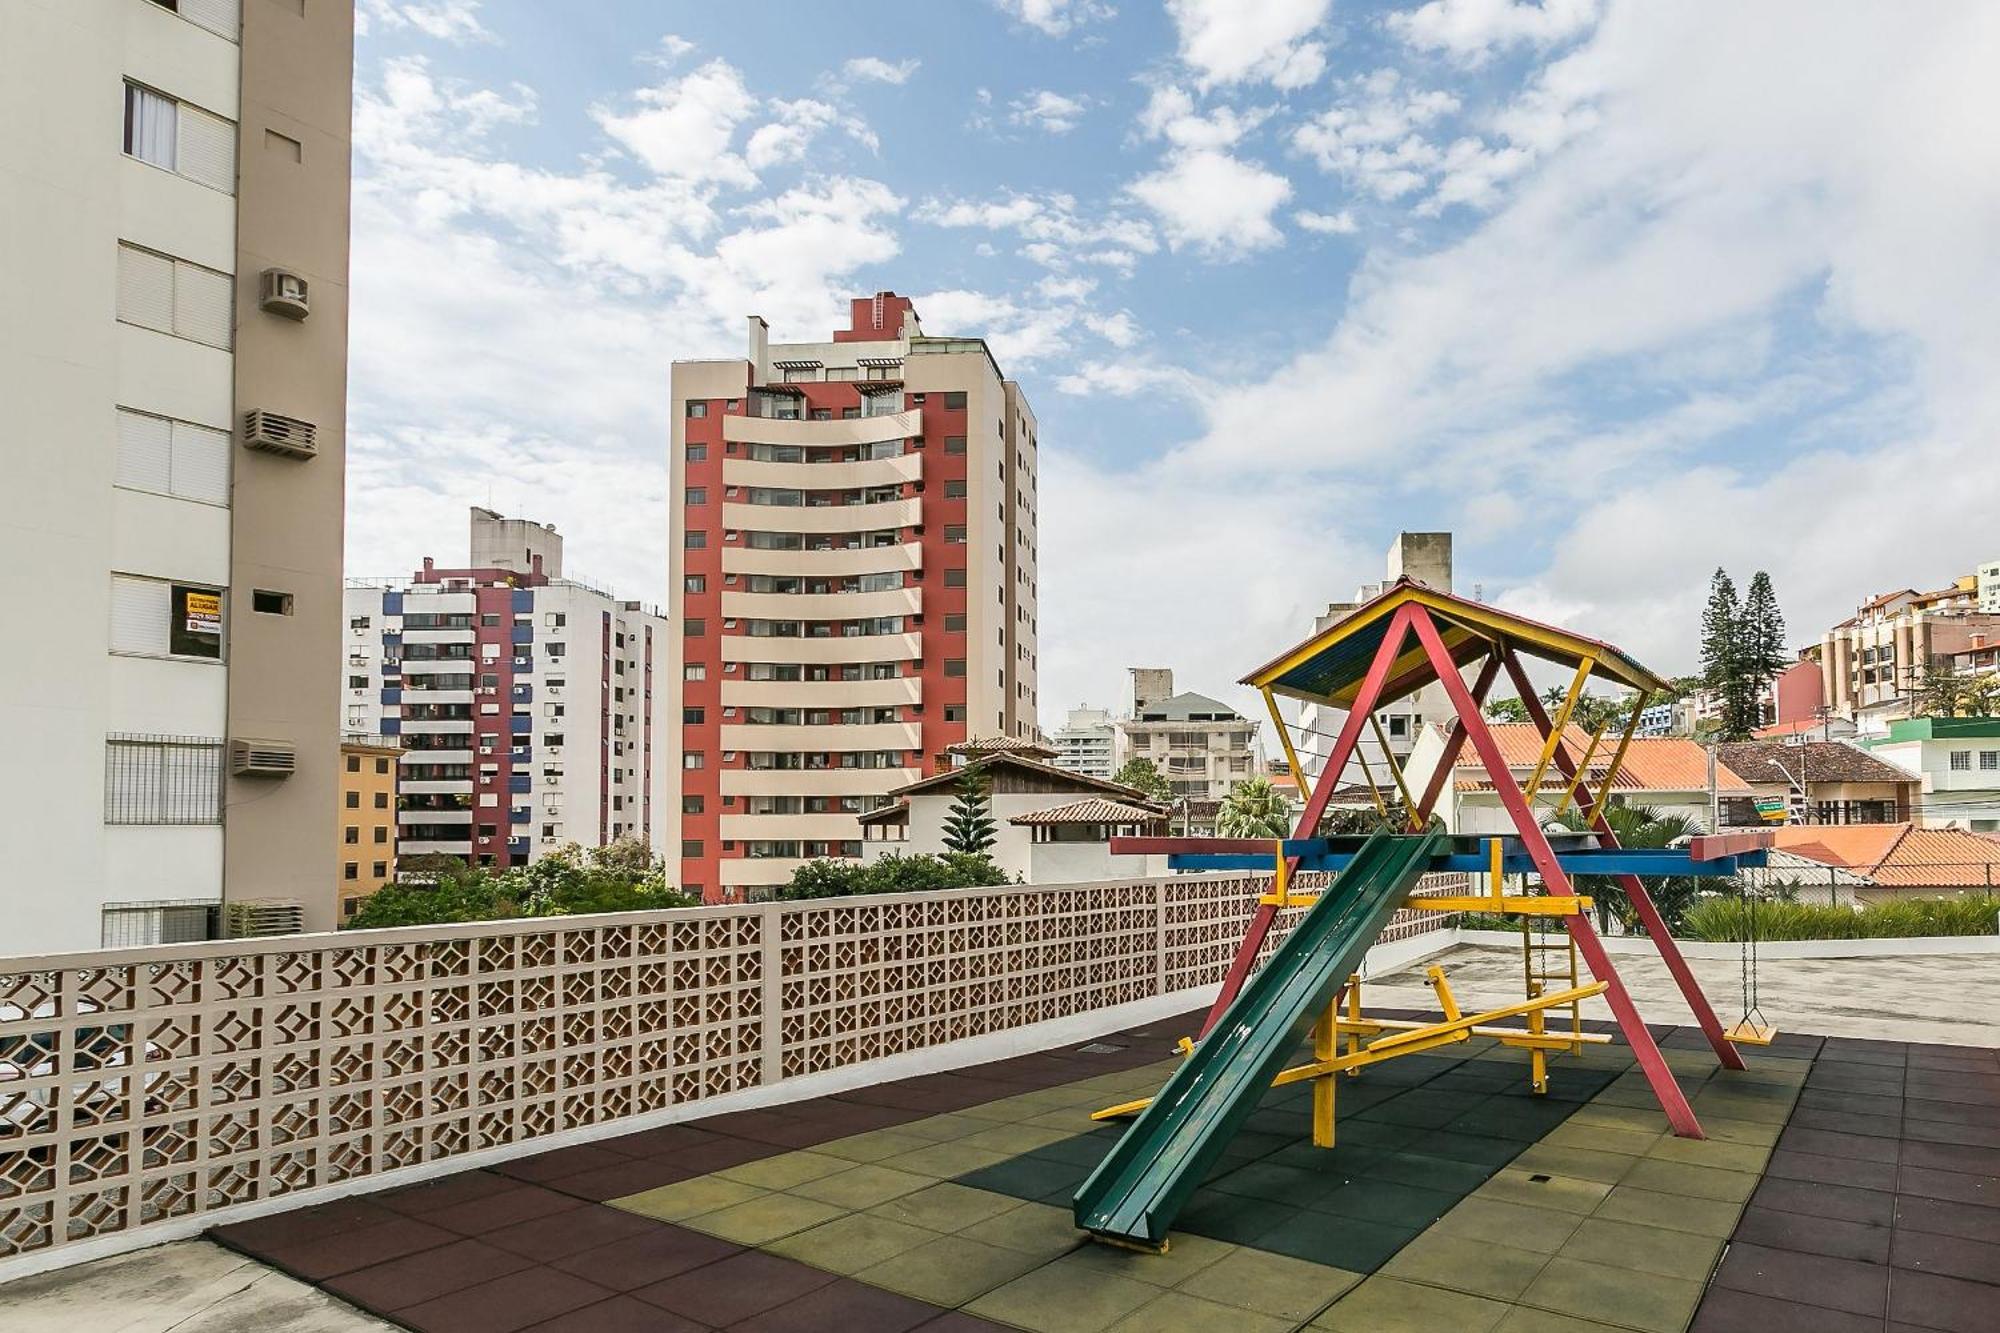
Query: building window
(352, 799)
(697, 453)
(954, 444)
(351, 870)
(954, 666)
(697, 495)
(691, 847)
(151, 134)
(954, 712)
(955, 401)
(381, 833)
(697, 411)
(161, 619)
(1961, 761)
(267, 603)
(695, 583)
(350, 834)
(695, 539)
(694, 629)
(694, 759)
(354, 761)
(691, 805)
(1989, 760)
(381, 800)
(692, 716)
(169, 295)
(954, 578)
(381, 765)
(176, 458)
(954, 490)
(162, 780)
(954, 533)
(695, 671)
(381, 869)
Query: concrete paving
(192, 1286)
(1926, 999)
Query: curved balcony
(815, 740)
(827, 652)
(823, 605)
(824, 476)
(905, 557)
(823, 518)
(858, 430)
(903, 690)
(815, 781)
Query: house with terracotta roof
(1051, 826)
(1899, 860)
(1818, 782)
(1670, 774)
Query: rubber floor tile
(475, 1217)
(849, 1244)
(1270, 1284)
(1351, 1243)
(652, 1256)
(1725, 1311)
(1838, 1284)
(1055, 1300)
(1944, 1218)
(1613, 1244)
(733, 1289)
(1387, 1305)
(843, 1305)
(945, 1206)
(949, 1271)
(559, 1235)
(440, 1193)
(516, 1301)
(1932, 1300)
(347, 1251)
(1614, 1294)
(1952, 1256)
(1178, 1312)
(415, 1278)
(1837, 1239)
(1842, 1202)
(620, 1314)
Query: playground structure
(1409, 637)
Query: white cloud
(1238, 41)
(1056, 231)
(1051, 112)
(1471, 30)
(1327, 224)
(445, 20)
(1056, 18)
(874, 69)
(797, 124)
(1170, 114)
(683, 127)
(1372, 138)
(1214, 203)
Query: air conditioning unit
(260, 918)
(263, 759)
(276, 434)
(283, 292)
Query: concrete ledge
(1916, 946)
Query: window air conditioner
(263, 759)
(276, 434)
(283, 292)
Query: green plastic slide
(1138, 1190)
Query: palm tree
(1253, 809)
(1639, 826)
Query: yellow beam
(1446, 1000)
(1519, 903)
(1326, 1046)
(1395, 771)
(1374, 790)
(1582, 768)
(1556, 726)
(1473, 1020)
(1285, 739)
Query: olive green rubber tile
(946, 1206)
(1032, 1228)
(1638, 1119)
(943, 1128)
(785, 1170)
(1434, 1173)
(1077, 1121)
(1521, 1319)
(687, 1198)
(1077, 1149)
(1681, 1254)
(760, 1220)
(1712, 1152)
(943, 1161)
(1271, 1284)
(1495, 1221)
(1185, 1256)
(1178, 1312)
(949, 1271)
(1601, 1138)
(1387, 1201)
(1013, 1139)
(1675, 1212)
(1539, 1189)
(1607, 1168)
(1755, 1133)
(846, 1245)
(1614, 1294)
(1695, 1182)
(873, 1146)
(1051, 1299)
(863, 1186)
(1499, 1272)
(1737, 1107)
(1389, 1305)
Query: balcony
(902, 690)
(856, 430)
(901, 558)
(879, 517)
(814, 781)
(434, 816)
(822, 606)
(836, 827)
(437, 787)
(813, 740)
(823, 652)
(861, 473)
(436, 726)
(463, 635)
(434, 847)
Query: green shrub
(894, 873)
(1727, 920)
(623, 876)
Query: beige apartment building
(175, 195)
(1873, 665)
(853, 563)
(1202, 746)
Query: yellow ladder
(1543, 961)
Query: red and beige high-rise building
(854, 564)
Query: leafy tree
(1253, 809)
(1945, 694)
(1143, 776)
(894, 873)
(1640, 826)
(969, 827)
(1507, 710)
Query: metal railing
(143, 1085)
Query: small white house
(1051, 826)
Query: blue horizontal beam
(1646, 862)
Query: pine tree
(1763, 631)
(969, 827)
(1722, 654)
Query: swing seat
(1747, 1033)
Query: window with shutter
(139, 611)
(218, 16)
(201, 463)
(145, 452)
(207, 149)
(201, 304)
(145, 288)
(150, 126)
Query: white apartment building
(525, 702)
(1202, 746)
(1087, 743)
(174, 198)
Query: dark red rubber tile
(1952, 1113)
(1810, 1279)
(1831, 1170)
(558, 1235)
(725, 1293)
(662, 1139)
(1945, 1218)
(1841, 1202)
(1847, 1122)
(518, 1300)
(654, 1256)
(1725, 1311)
(327, 1256)
(958, 1321)
(629, 1175)
(1953, 1256)
(460, 1187)
(284, 1230)
(1933, 1301)
(546, 1166)
(620, 1314)
(1829, 1143)
(424, 1276)
(1945, 1131)
(1813, 1235)
(1952, 1157)
(843, 1304)
(476, 1217)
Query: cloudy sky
(1617, 292)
